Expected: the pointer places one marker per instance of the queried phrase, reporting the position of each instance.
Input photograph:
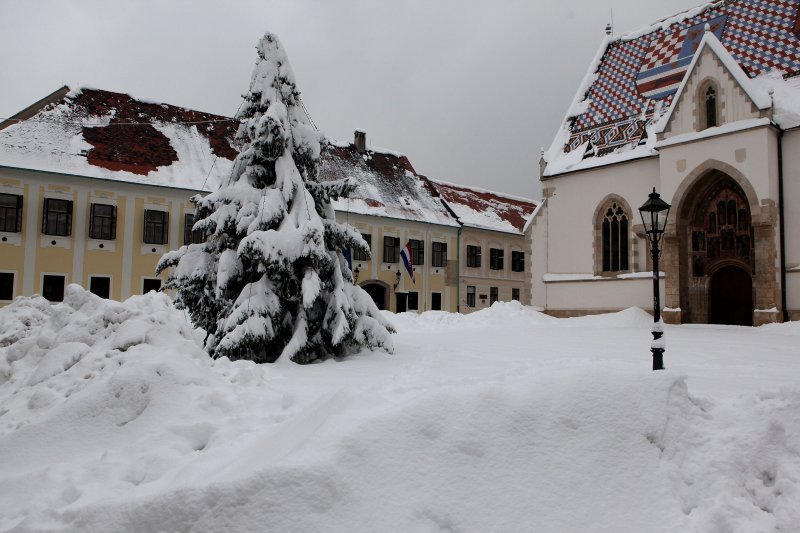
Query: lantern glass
(654, 215)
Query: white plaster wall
(573, 202)
(602, 295)
(751, 152)
(733, 104)
(791, 192)
(537, 233)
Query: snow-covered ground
(112, 418)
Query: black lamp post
(654, 225)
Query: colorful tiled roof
(387, 185)
(108, 135)
(483, 209)
(639, 73)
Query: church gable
(715, 92)
(634, 80)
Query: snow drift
(113, 418)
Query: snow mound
(498, 313)
(112, 418)
(632, 317)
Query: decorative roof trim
(762, 101)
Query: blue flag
(348, 256)
(405, 254)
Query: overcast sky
(469, 90)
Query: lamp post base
(658, 358)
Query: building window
(10, 213)
(413, 301)
(470, 295)
(151, 284)
(156, 226)
(436, 301)
(710, 98)
(359, 255)
(391, 249)
(417, 252)
(6, 286)
(191, 236)
(495, 259)
(473, 256)
(103, 222)
(518, 261)
(57, 217)
(439, 254)
(614, 244)
(101, 286)
(53, 288)
(515, 294)
(493, 295)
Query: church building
(703, 107)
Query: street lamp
(356, 272)
(654, 225)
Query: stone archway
(378, 291)
(718, 223)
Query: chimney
(360, 141)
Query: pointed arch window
(614, 248)
(710, 109)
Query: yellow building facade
(434, 286)
(95, 187)
(55, 247)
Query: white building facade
(705, 111)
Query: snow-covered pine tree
(270, 281)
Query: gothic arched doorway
(378, 292)
(716, 252)
(730, 296)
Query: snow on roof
(107, 135)
(479, 208)
(633, 80)
(386, 185)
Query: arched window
(710, 99)
(614, 248)
(707, 105)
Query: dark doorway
(730, 297)
(402, 302)
(436, 301)
(377, 293)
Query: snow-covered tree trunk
(270, 280)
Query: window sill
(12, 239)
(57, 241)
(158, 249)
(624, 276)
(102, 245)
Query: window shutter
(144, 225)
(165, 229)
(114, 222)
(19, 213)
(69, 217)
(91, 221)
(45, 208)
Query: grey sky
(468, 90)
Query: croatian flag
(405, 254)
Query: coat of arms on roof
(638, 73)
(668, 57)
